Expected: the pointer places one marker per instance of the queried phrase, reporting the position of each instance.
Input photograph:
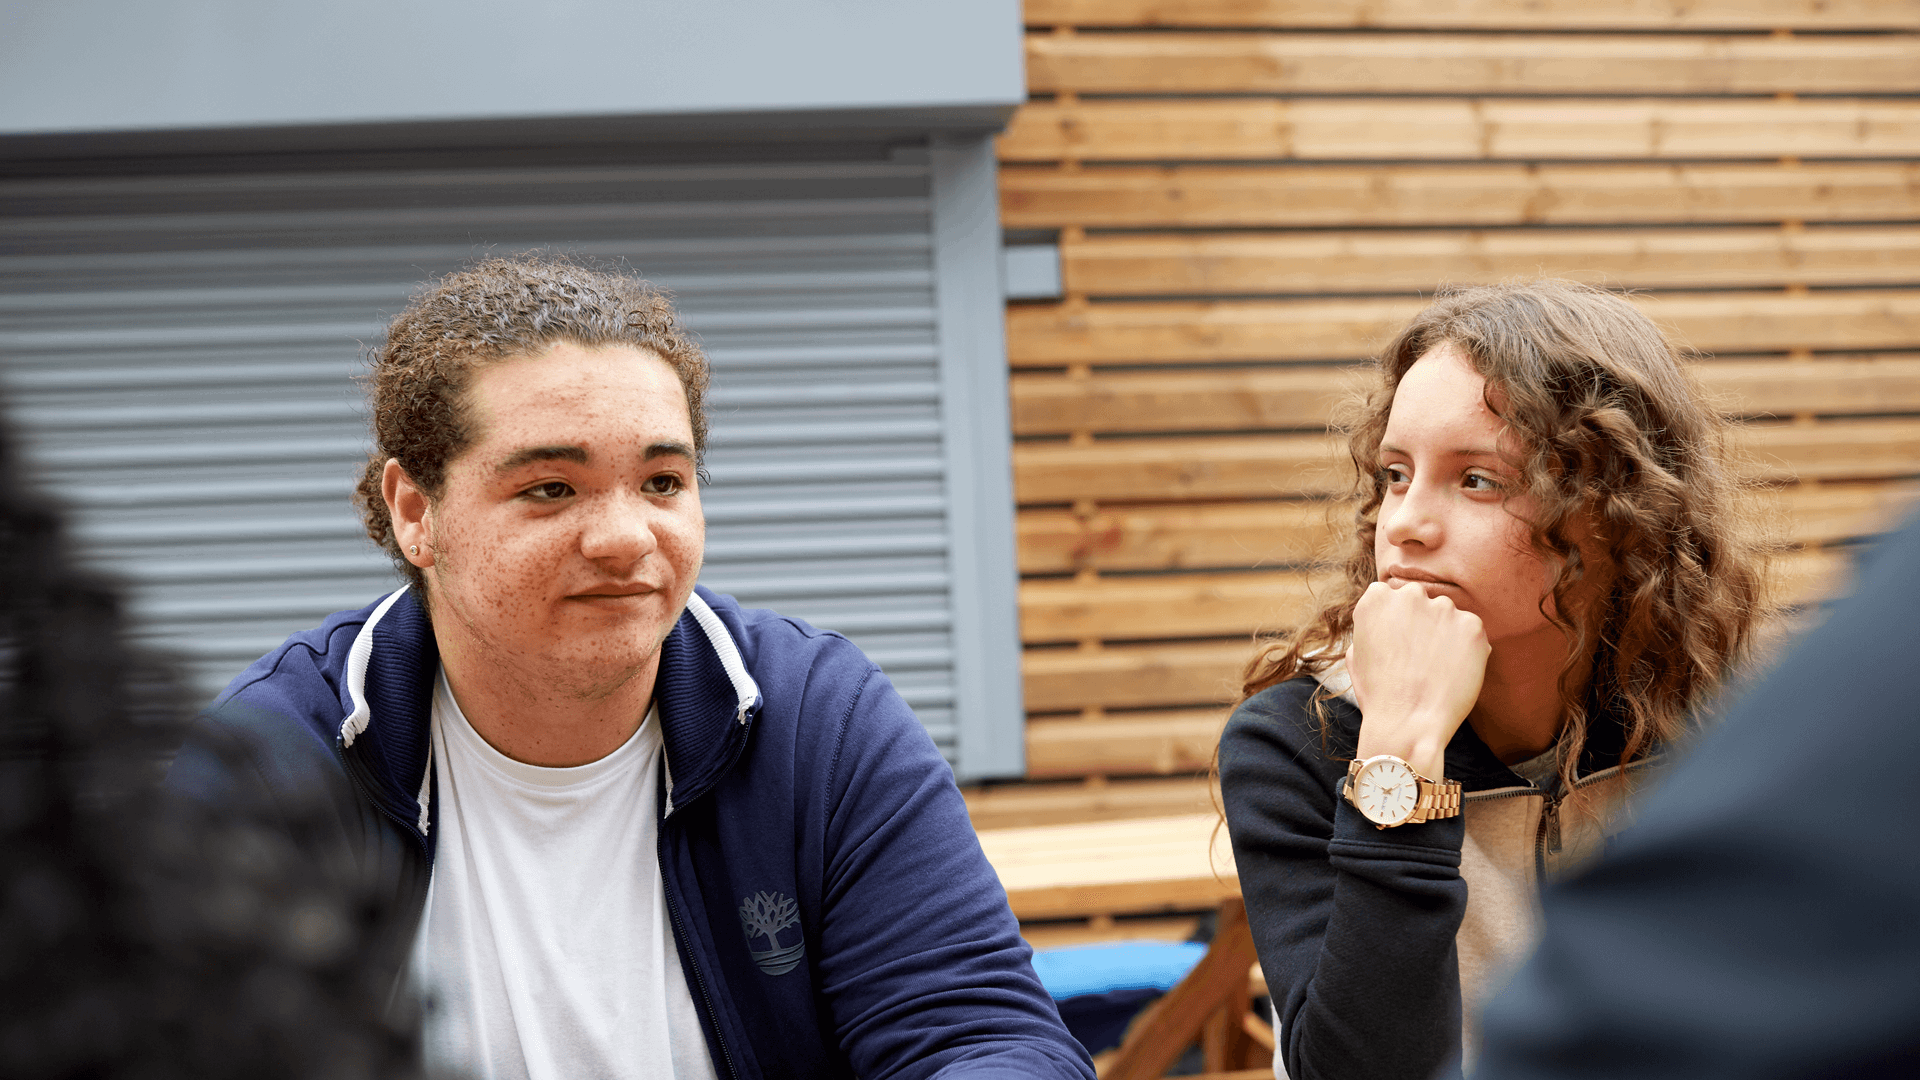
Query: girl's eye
(1394, 474)
(665, 484)
(1480, 482)
(549, 491)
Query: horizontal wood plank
(1173, 606)
(1194, 196)
(1300, 397)
(1254, 467)
(1001, 806)
(1056, 935)
(1164, 332)
(1442, 63)
(1306, 396)
(1460, 129)
(1825, 513)
(1216, 605)
(1243, 535)
(1377, 261)
(1148, 864)
(1195, 674)
(1133, 744)
(1265, 467)
(1832, 450)
(1482, 14)
(1176, 537)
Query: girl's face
(1447, 521)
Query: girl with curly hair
(1547, 579)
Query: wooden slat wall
(1250, 196)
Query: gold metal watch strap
(1438, 799)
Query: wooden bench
(1150, 865)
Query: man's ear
(408, 507)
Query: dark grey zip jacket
(1371, 939)
(795, 771)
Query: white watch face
(1386, 791)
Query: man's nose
(619, 530)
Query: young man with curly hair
(624, 827)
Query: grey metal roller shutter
(179, 355)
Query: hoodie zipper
(680, 939)
(366, 794)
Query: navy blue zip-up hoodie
(794, 770)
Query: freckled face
(569, 535)
(1445, 521)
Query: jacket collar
(706, 696)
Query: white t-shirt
(545, 949)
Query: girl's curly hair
(1616, 443)
(494, 310)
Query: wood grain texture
(1140, 865)
(1159, 607)
(999, 806)
(1253, 467)
(1146, 676)
(1157, 743)
(1265, 467)
(1245, 535)
(1483, 14)
(1440, 63)
(1176, 537)
(1171, 332)
(1460, 129)
(1306, 396)
(1193, 196)
(1222, 604)
(1301, 397)
(1741, 257)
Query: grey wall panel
(117, 65)
(180, 355)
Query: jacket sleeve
(923, 969)
(1758, 920)
(1354, 925)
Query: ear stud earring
(413, 549)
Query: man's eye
(549, 491)
(665, 484)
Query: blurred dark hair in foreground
(138, 937)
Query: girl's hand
(1417, 663)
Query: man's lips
(613, 592)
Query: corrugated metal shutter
(180, 352)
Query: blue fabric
(1121, 965)
(830, 793)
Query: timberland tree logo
(766, 915)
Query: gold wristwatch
(1387, 792)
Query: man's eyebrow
(669, 449)
(529, 455)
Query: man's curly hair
(495, 310)
(1616, 441)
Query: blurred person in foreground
(621, 827)
(138, 937)
(1762, 920)
(1545, 583)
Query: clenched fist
(1417, 663)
